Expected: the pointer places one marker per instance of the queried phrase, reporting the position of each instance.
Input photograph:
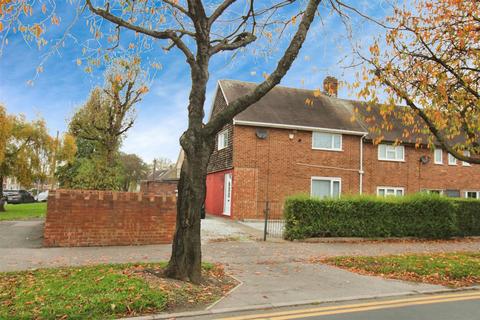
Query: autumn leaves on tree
(28, 152)
(430, 61)
(99, 127)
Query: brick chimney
(330, 86)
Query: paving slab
(285, 283)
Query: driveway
(21, 234)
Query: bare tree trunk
(2, 203)
(185, 262)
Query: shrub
(426, 216)
(468, 216)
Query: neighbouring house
(165, 180)
(299, 141)
(11, 183)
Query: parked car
(42, 196)
(18, 196)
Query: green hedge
(421, 215)
(468, 217)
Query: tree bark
(2, 203)
(186, 259)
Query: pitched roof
(287, 106)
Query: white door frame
(227, 194)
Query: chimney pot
(330, 86)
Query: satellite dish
(424, 159)
(261, 133)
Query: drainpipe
(360, 170)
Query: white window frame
(222, 139)
(332, 141)
(466, 153)
(435, 156)
(474, 191)
(450, 161)
(331, 179)
(395, 189)
(390, 146)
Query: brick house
(282, 146)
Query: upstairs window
(222, 141)
(452, 161)
(438, 156)
(391, 153)
(326, 187)
(326, 141)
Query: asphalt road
(453, 306)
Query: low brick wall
(78, 218)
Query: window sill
(324, 149)
(388, 160)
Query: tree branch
(220, 10)
(431, 126)
(242, 40)
(177, 6)
(240, 104)
(166, 34)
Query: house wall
(101, 218)
(415, 176)
(215, 193)
(221, 159)
(277, 167)
(159, 187)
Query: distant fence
(105, 218)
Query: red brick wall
(101, 218)
(159, 187)
(278, 166)
(415, 176)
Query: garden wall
(104, 218)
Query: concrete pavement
(272, 273)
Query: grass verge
(451, 269)
(24, 211)
(105, 292)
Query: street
(453, 306)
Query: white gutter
(295, 127)
(360, 171)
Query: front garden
(421, 216)
(24, 211)
(105, 292)
(459, 269)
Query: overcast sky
(161, 115)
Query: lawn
(451, 269)
(24, 211)
(104, 292)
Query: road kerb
(217, 312)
